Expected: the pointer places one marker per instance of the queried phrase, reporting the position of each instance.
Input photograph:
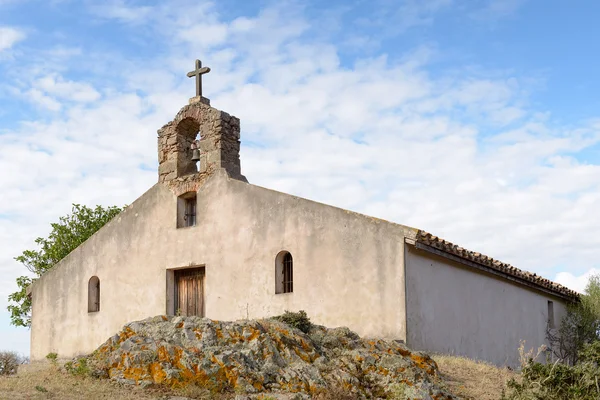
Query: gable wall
(123, 256)
(348, 268)
(454, 309)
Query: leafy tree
(580, 327)
(67, 234)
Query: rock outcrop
(260, 356)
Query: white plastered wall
(454, 309)
(348, 268)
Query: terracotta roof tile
(443, 245)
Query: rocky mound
(262, 356)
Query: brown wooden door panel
(189, 286)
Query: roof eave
(487, 269)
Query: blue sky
(475, 120)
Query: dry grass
(44, 381)
(469, 379)
(473, 380)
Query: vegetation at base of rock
(265, 357)
(78, 367)
(298, 320)
(66, 235)
(9, 362)
(559, 381)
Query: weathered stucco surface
(454, 309)
(122, 255)
(347, 267)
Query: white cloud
(461, 155)
(69, 90)
(38, 97)
(210, 35)
(120, 10)
(9, 37)
(576, 282)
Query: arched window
(284, 273)
(94, 294)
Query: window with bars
(288, 273)
(186, 210)
(189, 217)
(284, 273)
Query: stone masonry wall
(219, 144)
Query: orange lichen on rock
(260, 356)
(219, 333)
(163, 354)
(425, 363)
(125, 334)
(135, 373)
(157, 373)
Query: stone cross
(198, 72)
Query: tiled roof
(506, 269)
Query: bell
(195, 155)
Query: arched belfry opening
(203, 131)
(188, 135)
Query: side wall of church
(347, 268)
(454, 309)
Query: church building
(203, 241)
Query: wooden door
(189, 292)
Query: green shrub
(297, 320)
(52, 357)
(78, 367)
(591, 353)
(559, 381)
